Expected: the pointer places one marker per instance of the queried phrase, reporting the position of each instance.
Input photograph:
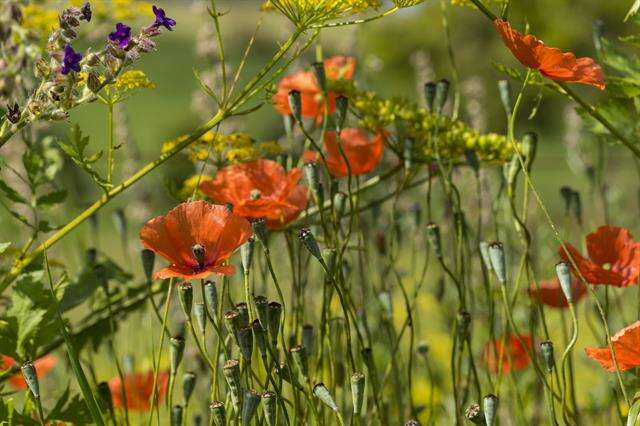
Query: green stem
(110, 148)
(565, 355)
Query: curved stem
(565, 356)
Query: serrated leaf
(75, 150)
(52, 198)
(11, 193)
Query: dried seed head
(104, 395)
(233, 321)
(231, 372)
(261, 337)
(249, 406)
(243, 309)
(260, 231)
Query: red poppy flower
(336, 68)
(514, 354)
(551, 62)
(550, 293)
(197, 238)
(138, 388)
(42, 365)
(259, 189)
(615, 257)
(626, 343)
(362, 153)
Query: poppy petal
(626, 344)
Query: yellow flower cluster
(117, 10)
(431, 133)
(133, 79)
(190, 184)
(39, 19)
(312, 12)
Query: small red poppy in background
(197, 238)
(551, 62)
(514, 354)
(259, 189)
(138, 388)
(626, 344)
(336, 68)
(362, 153)
(614, 257)
(550, 293)
(42, 365)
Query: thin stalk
(565, 355)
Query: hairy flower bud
(295, 103)
(321, 76)
(490, 408)
(275, 311)
(546, 348)
(185, 294)
(322, 393)
(309, 241)
(176, 344)
(211, 296)
(563, 271)
(342, 107)
(496, 254)
(30, 376)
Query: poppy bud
(243, 310)
(474, 414)
(246, 254)
(407, 153)
(442, 92)
(200, 312)
(490, 408)
(104, 395)
(185, 293)
(433, 235)
(176, 415)
(312, 175)
(233, 321)
(269, 407)
(505, 95)
(567, 195)
(342, 107)
(148, 260)
(496, 254)
(299, 354)
(310, 243)
(177, 351)
(423, 348)
(260, 231)
(464, 319)
(563, 271)
(307, 337)
(295, 104)
(529, 148)
(261, 337)
(387, 303)
(245, 342)
(211, 296)
(188, 384)
(546, 348)
(321, 76)
(429, 94)
(322, 393)
(275, 311)
(320, 195)
(249, 406)
(262, 309)
(484, 253)
(340, 204)
(30, 376)
(357, 391)
(231, 372)
(217, 413)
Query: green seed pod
(275, 311)
(546, 348)
(529, 148)
(211, 297)
(484, 252)
(262, 310)
(217, 413)
(386, 301)
(320, 195)
(243, 309)
(342, 107)
(322, 393)
(429, 95)
(312, 175)
(269, 407)
(505, 96)
(148, 258)
(245, 342)
(474, 414)
(563, 271)
(301, 359)
(320, 74)
(260, 231)
(185, 293)
(490, 408)
(200, 312)
(104, 395)
(307, 338)
(249, 406)
(176, 344)
(423, 348)
(464, 319)
(309, 241)
(246, 254)
(261, 337)
(231, 372)
(496, 254)
(340, 204)
(188, 384)
(176, 415)
(433, 235)
(233, 321)
(442, 93)
(357, 391)
(285, 372)
(295, 104)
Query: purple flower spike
(162, 20)
(71, 60)
(122, 35)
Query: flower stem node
(496, 254)
(490, 408)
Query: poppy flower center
(198, 251)
(606, 266)
(255, 194)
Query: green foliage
(70, 408)
(75, 149)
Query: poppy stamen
(255, 194)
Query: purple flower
(162, 20)
(71, 60)
(121, 35)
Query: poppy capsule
(312, 175)
(321, 76)
(309, 241)
(496, 254)
(188, 385)
(475, 415)
(261, 338)
(442, 93)
(423, 348)
(217, 412)
(322, 393)
(357, 391)
(211, 296)
(245, 342)
(246, 254)
(301, 359)
(262, 309)
(243, 310)
(176, 415)
(249, 406)
(30, 376)
(176, 351)
(269, 407)
(295, 103)
(464, 319)
(490, 407)
(505, 95)
(429, 94)
(275, 312)
(342, 107)
(546, 348)
(233, 321)
(200, 312)
(104, 395)
(148, 258)
(564, 276)
(260, 230)
(185, 293)
(231, 372)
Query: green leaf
(70, 409)
(75, 149)
(11, 193)
(52, 198)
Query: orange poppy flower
(615, 257)
(550, 293)
(197, 238)
(626, 343)
(42, 365)
(362, 153)
(336, 68)
(551, 62)
(259, 189)
(514, 354)
(138, 388)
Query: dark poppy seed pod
(464, 319)
(407, 153)
(261, 337)
(30, 376)
(490, 408)
(231, 372)
(197, 420)
(92, 255)
(357, 391)
(412, 422)
(563, 271)
(567, 196)
(321, 76)
(307, 337)
(340, 204)
(262, 310)
(474, 414)
(188, 385)
(442, 93)
(577, 206)
(243, 310)
(505, 95)
(384, 297)
(423, 348)
(484, 252)
(529, 148)
(322, 393)
(185, 293)
(275, 312)
(232, 321)
(309, 241)
(269, 407)
(295, 104)
(148, 258)
(312, 175)
(245, 342)
(176, 345)
(200, 312)
(433, 235)
(217, 413)
(496, 254)
(246, 254)
(211, 296)
(429, 95)
(546, 348)
(301, 359)
(176, 415)
(260, 231)
(104, 395)
(342, 107)
(320, 194)
(249, 406)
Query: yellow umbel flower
(133, 79)
(190, 184)
(304, 13)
